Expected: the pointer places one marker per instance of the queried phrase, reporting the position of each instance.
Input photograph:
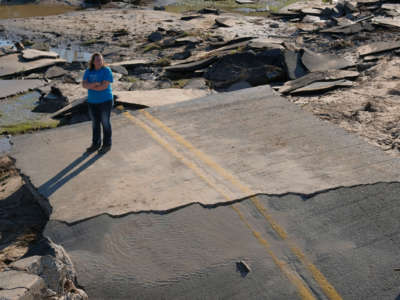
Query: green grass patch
(150, 47)
(276, 8)
(130, 79)
(92, 42)
(179, 83)
(24, 127)
(162, 62)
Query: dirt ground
(370, 109)
(21, 219)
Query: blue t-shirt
(98, 76)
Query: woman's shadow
(50, 186)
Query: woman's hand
(100, 86)
(91, 85)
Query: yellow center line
(328, 288)
(303, 290)
(179, 156)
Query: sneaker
(104, 149)
(92, 148)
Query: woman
(97, 80)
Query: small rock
(155, 36)
(181, 55)
(159, 8)
(243, 268)
(209, 11)
(120, 32)
(188, 18)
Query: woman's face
(98, 62)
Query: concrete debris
(10, 88)
(387, 22)
(322, 62)
(260, 44)
(377, 48)
(54, 72)
(225, 22)
(30, 54)
(51, 275)
(294, 66)
(11, 64)
(20, 285)
(323, 86)
(330, 75)
(131, 63)
(191, 17)
(119, 69)
(4, 50)
(191, 66)
(74, 106)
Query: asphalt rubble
(320, 56)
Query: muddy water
(19, 109)
(32, 10)
(71, 55)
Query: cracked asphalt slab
(350, 234)
(191, 189)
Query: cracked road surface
(191, 189)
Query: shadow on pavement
(49, 187)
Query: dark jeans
(100, 114)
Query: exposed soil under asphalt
(21, 218)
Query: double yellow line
(303, 290)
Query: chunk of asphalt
(377, 48)
(13, 87)
(330, 75)
(294, 66)
(225, 22)
(12, 65)
(322, 86)
(387, 22)
(191, 66)
(191, 17)
(31, 54)
(323, 62)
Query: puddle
(5, 145)
(71, 55)
(19, 109)
(32, 10)
(5, 43)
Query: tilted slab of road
(126, 221)
(243, 143)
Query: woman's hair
(91, 61)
